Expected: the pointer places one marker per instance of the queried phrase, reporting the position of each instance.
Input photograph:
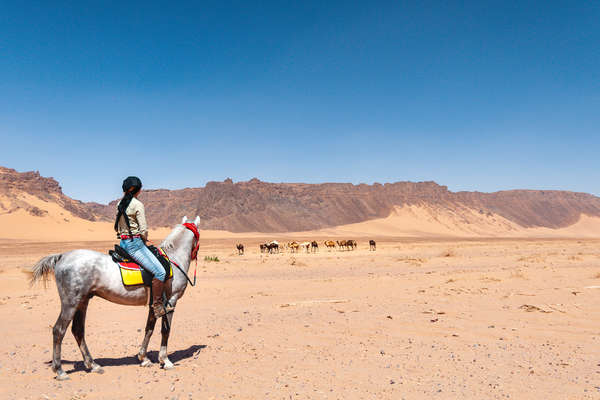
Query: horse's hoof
(146, 363)
(168, 365)
(62, 377)
(97, 369)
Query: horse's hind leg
(78, 329)
(150, 323)
(58, 333)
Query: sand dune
(57, 224)
(427, 221)
(408, 221)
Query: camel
(351, 244)
(372, 245)
(272, 247)
(305, 245)
(293, 246)
(240, 249)
(341, 244)
(314, 246)
(329, 244)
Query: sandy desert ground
(419, 318)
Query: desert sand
(419, 318)
(59, 225)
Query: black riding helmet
(132, 182)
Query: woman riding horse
(132, 229)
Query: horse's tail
(43, 268)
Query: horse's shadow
(175, 357)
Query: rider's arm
(141, 218)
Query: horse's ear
(197, 221)
(184, 219)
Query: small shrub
(297, 263)
(518, 274)
(417, 262)
(449, 253)
(211, 259)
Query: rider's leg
(158, 283)
(141, 254)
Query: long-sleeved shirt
(137, 220)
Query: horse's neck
(181, 253)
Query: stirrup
(159, 310)
(168, 307)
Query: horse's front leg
(150, 323)
(163, 358)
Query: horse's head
(185, 234)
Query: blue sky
(476, 95)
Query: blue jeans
(142, 255)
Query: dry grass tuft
(518, 274)
(417, 262)
(490, 279)
(449, 253)
(536, 258)
(296, 263)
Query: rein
(194, 254)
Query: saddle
(132, 273)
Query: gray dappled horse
(82, 274)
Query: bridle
(192, 227)
(194, 255)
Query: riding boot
(157, 292)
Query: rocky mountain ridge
(290, 207)
(14, 184)
(256, 206)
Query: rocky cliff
(284, 207)
(17, 187)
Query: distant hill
(290, 207)
(256, 206)
(23, 190)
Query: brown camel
(293, 246)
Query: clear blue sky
(476, 95)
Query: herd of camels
(309, 247)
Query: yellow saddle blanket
(132, 274)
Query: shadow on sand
(175, 357)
